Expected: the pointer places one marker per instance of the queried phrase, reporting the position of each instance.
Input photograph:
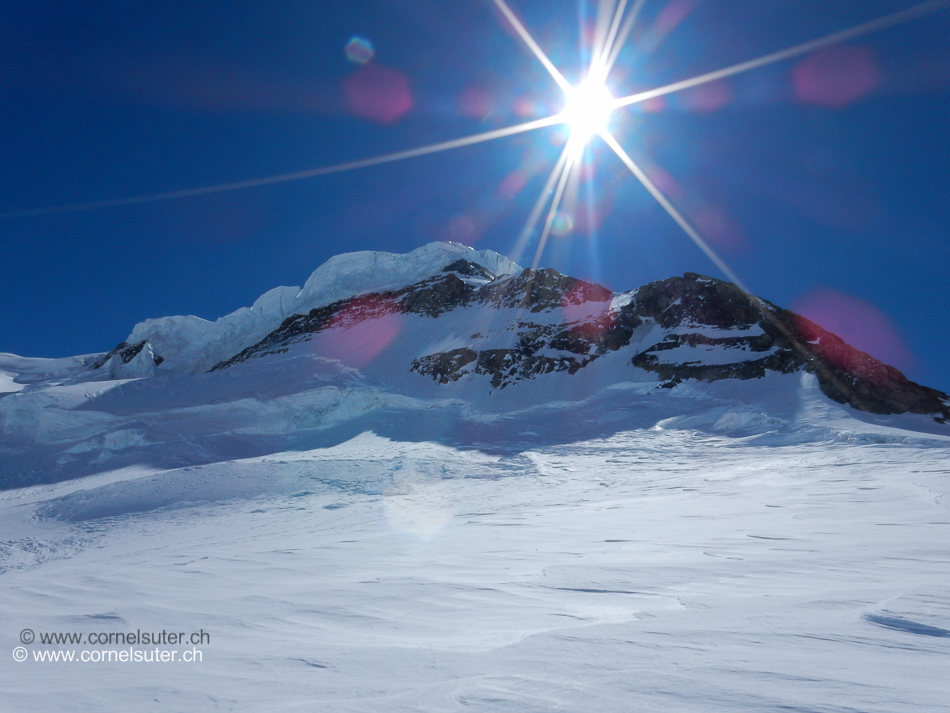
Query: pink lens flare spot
(707, 97)
(359, 332)
(719, 229)
(359, 50)
(672, 15)
(464, 228)
(523, 107)
(586, 309)
(586, 172)
(559, 138)
(563, 224)
(588, 32)
(588, 219)
(512, 184)
(665, 182)
(378, 93)
(836, 76)
(476, 103)
(654, 105)
(858, 323)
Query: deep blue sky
(822, 180)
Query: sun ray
(542, 201)
(598, 61)
(532, 45)
(297, 175)
(603, 21)
(614, 26)
(756, 301)
(622, 36)
(571, 154)
(569, 201)
(670, 208)
(865, 28)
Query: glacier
(356, 535)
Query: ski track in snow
(651, 569)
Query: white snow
(191, 345)
(650, 569)
(358, 537)
(354, 273)
(7, 383)
(708, 354)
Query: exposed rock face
(791, 343)
(125, 352)
(431, 298)
(781, 360)
(129, 361)
(849, 376)
(464, 267)
(531, 291)
(699, 300)
(538, 290)
(504, 366)
(695, 327)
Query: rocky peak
(850, 376)
(698, 299)
(542, 322)
(470, 269)
(778, 340)
(126, 352)
(129, 361)
(539, 290)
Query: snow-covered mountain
(442, 328)
(192, 345)
(439, 482)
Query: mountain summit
(443, 328)
(527, 323)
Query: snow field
(651, 569)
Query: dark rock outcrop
(126, 352)
(504, 366)
(538, 290)
(446, 366)
(697, 299)
(850, 376)
(464, 267)
(531, 291)
(698, 316)
(845, 374)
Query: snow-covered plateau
(437, 482)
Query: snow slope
(356, 535)
(191, 344)
(315, 393)
(650, 569)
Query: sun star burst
(587, 109)
(587, 113)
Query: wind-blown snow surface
(358, 536)
(693, 549)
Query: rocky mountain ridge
(453, 345)
(191, 345)
(541, 322)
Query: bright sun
(587, 112)
(588, 109)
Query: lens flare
(359, 50)
(588, 109)
(383, 95)
(562, 224)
